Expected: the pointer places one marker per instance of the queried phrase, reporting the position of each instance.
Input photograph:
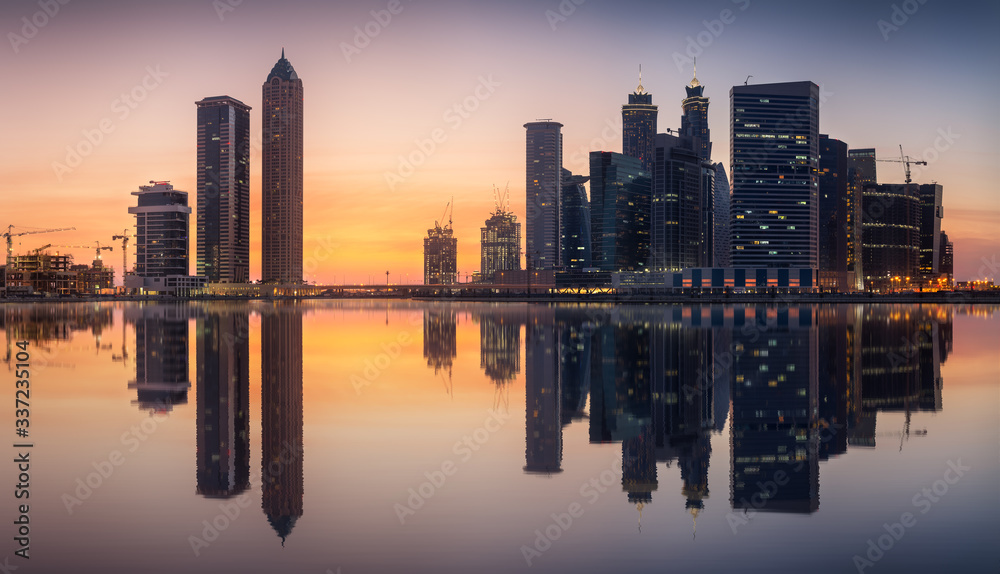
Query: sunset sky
(922, 79)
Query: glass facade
(678, 221)
(890, 235)
(639, 127)
(619, 210)
(576, 219)
(161, 230)
(543, 184)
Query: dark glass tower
(931, 213)
(774, 162)
(619, 207)
(864, 161)
(677, 206)
(281, 240)
(223, 190)
(723, 197)
(161, 230)
(890, 235)
(839, 216)
(639, 127)
(543, 186)
(576, 222)
(694, 121)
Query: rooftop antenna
(747, 81)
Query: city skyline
(372, 206)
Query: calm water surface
(378, 436)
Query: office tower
(543, 185)
(723, 196)
(576, 222)
(500, 244)
(161, 230)
(161, 358)
(677, 196)
(694, 121)
(543, 431)
(440, 255)
(281, 179)
(619, 212)
(223, 194)
(947, 265)
(223, 396)
(639, 127)
(890, 235)
(775, 158)
(839, 214)
(931, 213)
(281, 417)
(863, 160)
(706, 236)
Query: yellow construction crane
(99, 247)
(38, 250)
(124, 237)
(907, 161)
(10, 235)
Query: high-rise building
(500, 244)
(440, 255)
(161, 230)
(774, 147)
(839, 216)
(619, 212)
(723, 196)
(947, 265)
(931, 213)
(576, 222)
(677, 204)
(543, 185)
(890, 235)
(863, 160)
(639, 127)
(281, 240)
(694, 121)
(223, 195)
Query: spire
(283, 69)
(694, 80)
(640, 90)
(282, 52)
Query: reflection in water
(543, 428)
(440, 346)
(281, 417)
(161, 356)
(223, 395)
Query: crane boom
(907, 161)
(10, 235)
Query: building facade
(619, 212)
(281, 238)
(223, 195)
(723, 196)
(676, 206)
(500, 245)
(639, 127)
(440, 256)
(890, 235)
(576, 221)
(694, 121)
(931, 214)
(774, 150)
(864, 161)
(543, 185)
(839, 214)
(161, 230)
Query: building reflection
(281, 416)
(543, 424)
(42, 324)
(223, 397)
(161, 356)
(440, 346)
(499, 345)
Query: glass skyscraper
(223, 195)
(543, 186)
(639, 127)
(694, 121)
(619, 212)
(678, 220)
(576, 220)
(774, 147)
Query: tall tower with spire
(694, 121)
(639, 126)
(281, 240)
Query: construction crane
(10, 235)
(124, 237)
(38, 250)
(502, 200)
(450, 204)
(99, 247)
(907, 161)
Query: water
(374, 436)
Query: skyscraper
(223, 216)
(931, 213)
(694, 121)
(543, 186)
(839, 217)
(500, 244)
(677, 204)
(281, 240)
(890, 234)
(723, 196)
(947, 265)
(161, 231)
(639, 127)
(774, 161)
(440, 255)
(619, 206)
(863, 160)
(576, 221)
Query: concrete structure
(440, 255)
(281, 179)
(543, 187)
(775, 159)
(500, 245)
(223, 194)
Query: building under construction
(42, 272)
(500, 243)
(441, 253)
